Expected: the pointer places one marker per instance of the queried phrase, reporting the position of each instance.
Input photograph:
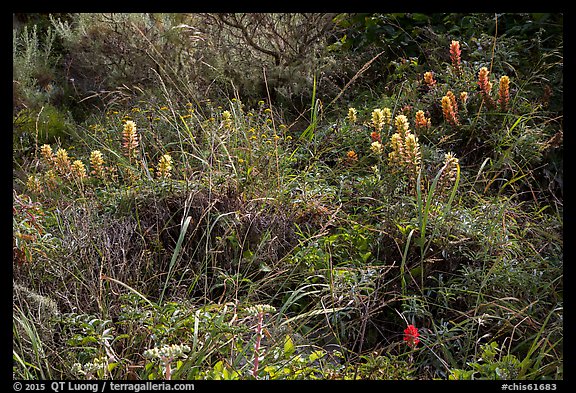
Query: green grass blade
(175, 255)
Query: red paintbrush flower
(411, 336)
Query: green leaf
(315, 355)
(288, 346)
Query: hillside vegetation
(288, 196)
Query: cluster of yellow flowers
(62, 162)
(60, 166)
(381, 118)
(65, 167)
(405, 152)
(227, 120)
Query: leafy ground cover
(409, 230)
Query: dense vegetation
(288, 196)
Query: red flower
(411, 335)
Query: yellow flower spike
(260, 309)
(62, 162)
(227, 119)
(377, 147)
(62, 156)
(97, 163)
(34, 184)
(352, 115)
(451, 163)
(378, 119)
(47, 153)
(130, 137)
(449, 172)
(412, 153)
(165, 166)
(397, 146)
(387, 114)
(352, 156)
(51, 179)
(504, 93)
(78, 169)
(453, 102)
(402, 125)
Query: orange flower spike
(429, 79)
(453, 102)
(448, 110)
(485, 85)
(352, 156)
(455, 53)
(421, 121)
